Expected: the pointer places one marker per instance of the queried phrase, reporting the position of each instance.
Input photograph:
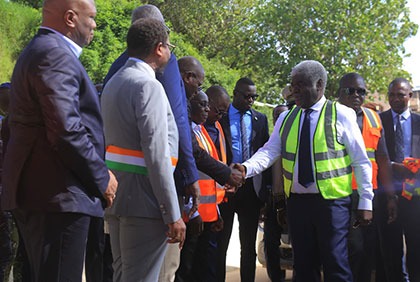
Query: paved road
(233, 261)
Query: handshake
(236, 178)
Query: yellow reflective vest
(332, 164)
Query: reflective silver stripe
(328, 127)
(208, 199)
(371, 117)
(370, 154)
(330, 155)
(288, 156)
(287, 174)
(333, 173)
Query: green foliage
(113, 20)
(216, 72)
(262, 39)
(30, 3)
(17, 26)
(362, 36)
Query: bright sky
(412, 63)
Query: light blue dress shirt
(235, 130)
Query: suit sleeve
(186, 169)
(152, 111)
(60, 94)
(205, 163)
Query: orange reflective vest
(371, 133)
(211, 193)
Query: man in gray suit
(142, 149)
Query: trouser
(410, 218)
(6, 252)
(246, 205)
(390, 253)
(138, 247)
(95, 250)
(55, 244)
(362, 243)
(319, 230)
(272, 236)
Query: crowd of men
(168, 166)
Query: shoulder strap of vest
(287, 123)
(372, 117)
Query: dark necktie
(399, 141)
(244, 139)
(305, 173)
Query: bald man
(55, 177)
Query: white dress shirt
(348, 134)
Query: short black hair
(244, 81)
(143, 36)
(400, 80)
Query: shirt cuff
(365, 204)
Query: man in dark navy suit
(55, 177)
(400, 146)
(246, 130)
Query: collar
(195, 127)
(405, 115)
(76, 49)
(318, 105)
(149, 69)
(236, 111)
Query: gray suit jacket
(137, 116)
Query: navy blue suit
(408, 221)
(246, 203)
(54, 170)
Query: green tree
(349, 35)
(17, 26)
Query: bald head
(218, 94)
(147, 11)
(219, 102)
(72, 18)
(192, 73)
(190, 63)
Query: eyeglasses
(217, 111)
(247, 97)
(253, 97)
(351, 91)
(171, 47)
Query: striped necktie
(399, 141)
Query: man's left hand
(193, 190)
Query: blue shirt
(406, 127)
(235, 130)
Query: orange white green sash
(128, 160)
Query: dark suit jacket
(55, 156)
(259, 136)
(388, 125)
